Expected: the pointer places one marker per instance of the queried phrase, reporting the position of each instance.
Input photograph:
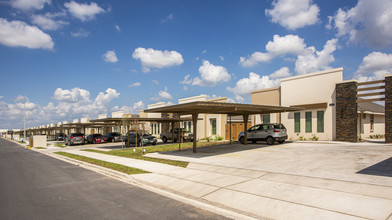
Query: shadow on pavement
(383, 168)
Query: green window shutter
(320, 121)
(308, 119)
(297, 122)
(266, 119)
(213, 124)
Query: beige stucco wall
(379, 125)
(311, 88)
(270, 96)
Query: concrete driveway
(287, 181)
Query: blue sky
(73, 59)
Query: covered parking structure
(230, 109)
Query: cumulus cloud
(135, 84)
(374, 67)
(187, 79)
(151, 58)
(245, 85)
(29, 4)
(221, 58)
(117, 28)
(110, 56)
(281, 73)
(84, 12)
(293, 14)
(20, 98)
(162, 95)
(168, 18)
(135, 108)
(289, 44)
(105, 98)
(20, 34)
(48, 21)
(313, 60)
(368, 21)
(210, 75)
(71, 96)
(155, 82)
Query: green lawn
(138, 154)
(113, 166)
(39, 148)
(59, 145)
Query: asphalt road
(36, 186)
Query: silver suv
(265, 132)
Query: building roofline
(340, 69)
(265, 90)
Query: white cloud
(187, 79)
(289, 44)
(104, 99)
(185, 88)
(47, 21)
(314, 60)
(135, 108)
(164, 94)
(29, 4)
(1, 96)
(117, 28)
(374, 67)
(151, 58)
(20, 98)
(245, 85)
(84, 12)
(155, 82)
(168, 18)
(135, 84)
(20, 34)
(368, 21)
(293, 14)
(204, 51)
(110, 56)
(80, 33)
(71, 96)
(281, 73)
(222, 58)
(210, 75)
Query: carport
(230, 109)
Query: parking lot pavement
(295, 181)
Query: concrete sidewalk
(261, 193)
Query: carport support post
(194, 120)
(230, 128)
(246, 117)
(172, 125)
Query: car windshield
(278, 126)
(76, 134)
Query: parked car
(265, 132)
(74, 138)
(144, 139)
(187, 136)
(95, 139)
(112, 137)
(59, 136)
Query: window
(320, 121)
(371, 123)
(266, 119)
(297, 122)
(190, 126)
(213, 126)
(308, 122)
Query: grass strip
(113, 166)
(39, 148)
(138, 153)
(59, 145)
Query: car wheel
(154, 143)
(94, 142)
(280, 142)
(164, 139)
(254, 141)
(241, 140)
(270, 140)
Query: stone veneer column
(346, 111)
(388, 109)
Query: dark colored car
(112, 137)
(95, 139)
(59, 137)
(144, 139)
(265, 132)
(74, 138)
